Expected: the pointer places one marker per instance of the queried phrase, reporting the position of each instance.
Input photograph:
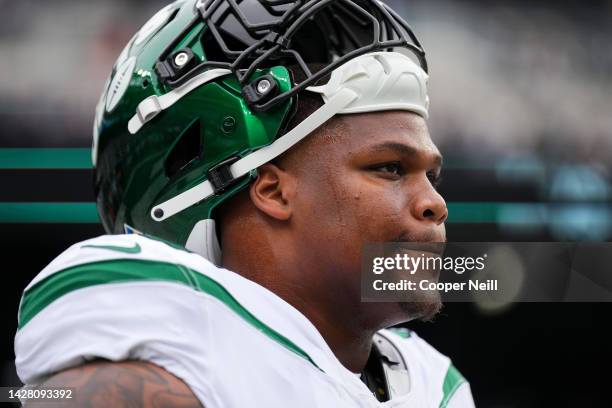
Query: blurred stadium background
(521, 108)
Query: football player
(244, 152)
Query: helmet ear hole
(186, 149)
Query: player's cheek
(379, 216)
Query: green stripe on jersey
(452, 381)
(131, 270)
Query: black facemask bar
(273, 40)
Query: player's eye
(434, 178)
(394, 168)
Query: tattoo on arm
(124, 384)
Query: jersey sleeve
(115, 299)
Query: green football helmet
(203, 94)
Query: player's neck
(350, 343)
(335, 312)
(346, 336)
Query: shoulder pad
(428, 369)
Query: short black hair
(306, 103)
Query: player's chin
(425, 308)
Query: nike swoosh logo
(128, 250)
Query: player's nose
(429, 206)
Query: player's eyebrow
(405, 150)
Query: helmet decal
(120, 83)
(156, 22)
(98, 121)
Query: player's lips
(436, 248)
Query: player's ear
(273, 191)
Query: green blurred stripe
(59, 213)
(45, 158)
(86, 213)
(459, 212)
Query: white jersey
(233, 342)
